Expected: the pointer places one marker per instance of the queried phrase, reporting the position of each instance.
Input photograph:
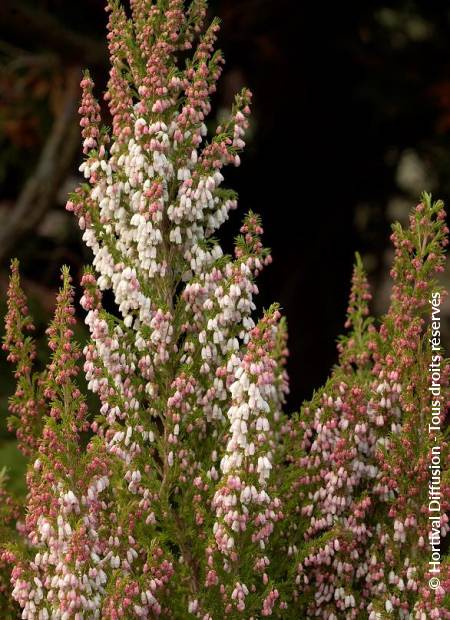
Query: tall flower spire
(27, 403)
(63, 524)
(163, 367)
(188, 493)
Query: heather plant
(188, 492)
(365, 450)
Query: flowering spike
(19, 346)
(353, 348)
(90, 115)
(26, 404)
(63, 366)
(358, 308)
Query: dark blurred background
(351, 122)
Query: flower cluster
(123, 538)
(189, 493)
(26, 406)
(366, 451)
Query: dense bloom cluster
(189, 493)
(366, 450)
